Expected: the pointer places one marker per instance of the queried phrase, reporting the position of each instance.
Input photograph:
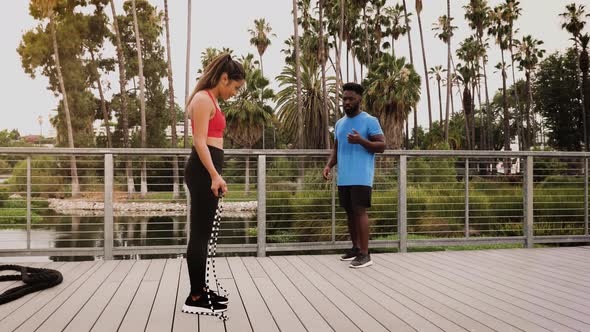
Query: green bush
(47, 178)
(17, 216)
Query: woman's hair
(223, 63)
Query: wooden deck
(495, 290)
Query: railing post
(261, 194)
(586, 196)
(108, 206)
(466, 177)
(333, 207)
(402, 224)
(29, 202)
(528, 200)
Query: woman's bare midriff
(216, 142)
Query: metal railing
(279, 202)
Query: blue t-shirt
(356, 165)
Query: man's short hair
(353, 87)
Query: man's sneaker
(361, 261)
(202, 306)
(350, 254)
(218, 298)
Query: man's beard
(351, 111)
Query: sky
(225, 23)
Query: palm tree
(436, 72)
(418, 11)
(511, 12)
(300, 138)
(260, 39)
(47, 8)
(444, 28)
(499, 31)
(470, 52)
(528, 55)
(141, 100)
(393, 89)
(124, 103)
(246, 118)
(187, 70)
(573, 22)
(175, 189)
(465, 75)
(396, 27)
(312, 104)
(476, 12)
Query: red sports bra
(216, 124)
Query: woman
(221, 79)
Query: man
(358, 136)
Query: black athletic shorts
(354, 196)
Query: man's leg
(352, 228)
(361, 221)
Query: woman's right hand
(217, 184)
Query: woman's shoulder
(201, 101)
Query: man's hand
(354, 137)
(326, 172)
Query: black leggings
(203, 207)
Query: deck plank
(138, 312)
(113, 314)
(67, 311)
(260, 317)
(162, 313)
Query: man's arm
(332, 161)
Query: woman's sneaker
(350, 254)
(218, 298)
(202, 306)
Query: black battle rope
(35, 280)
(211, 250)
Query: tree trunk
(141, 102)
(368, 48)
(354, 65)
(440, 103)
(449, 95)
(409, 32)
(298, 74)
(338, 61)
(261, 104)
(489, 127)
(412, 62)
(73, 167)
(519, 122)
(507, 166)
(103, 104)
(425, 73)
(324, 90)
(187, 71)
(124, 109)
(529, 132)
(472, 114)
(466, 117)
(584, 110)
(175, 186)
